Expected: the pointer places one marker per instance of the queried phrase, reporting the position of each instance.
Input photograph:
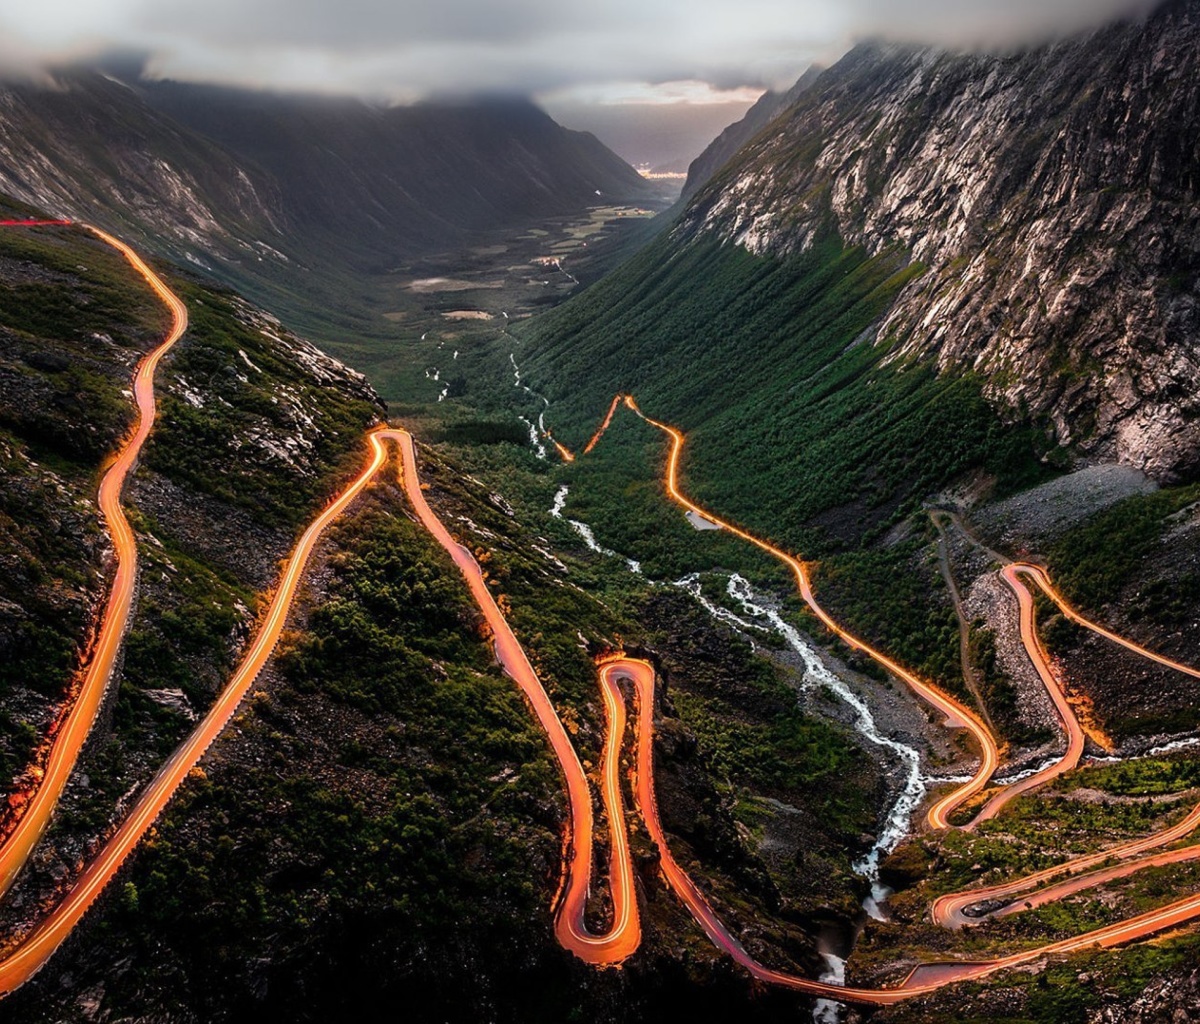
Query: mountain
(922, 315)
(1022, 224)
(306, 204)
(382, 820)
(719, 152)
(404, 179)
(936, 279)
(1049, 198)
(90, 147)
(944, 281)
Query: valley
(624, 937)
(848, 670)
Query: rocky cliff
(1050, 196)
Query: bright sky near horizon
(575, 57)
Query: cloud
(403, 49)
(976, 23)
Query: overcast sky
(574, 55)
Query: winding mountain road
(1067, 878)
(1011, 574)
(956, 714)
(623, 936)
(71, 730)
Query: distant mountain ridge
(256, 186)
(408, 178)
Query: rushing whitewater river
(898, 820)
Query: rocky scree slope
(1051, 197)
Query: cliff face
(1051, 197)
(89, 147)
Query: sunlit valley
(457, 566)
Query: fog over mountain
(402, 50)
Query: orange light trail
(624, 935)
(925, 978)
(955, 713)
(41, 943)
(947, 910)
(1038, 575)
(73, 728)
(1011, 575)
(608, 417)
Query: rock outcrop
(1051, 196)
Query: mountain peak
(1049, 194)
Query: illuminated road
(40, 943)
(624, 935)
(1076, 875)
(951, 913)
(37, 948)
(926, 978)
(1011, 575)
(1066, 878)
(956, 714)
(611, 947)
(1038, 575)
(604, 424)
(71, 730)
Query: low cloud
(418, 47)
(988, 25)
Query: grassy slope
(797, 427)
(75, 318)
(61, 411)
(787, 415)
(382, 824)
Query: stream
(897, 822)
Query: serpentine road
(956, 714)
(949, 910)
(70, 731)
(623, 936)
